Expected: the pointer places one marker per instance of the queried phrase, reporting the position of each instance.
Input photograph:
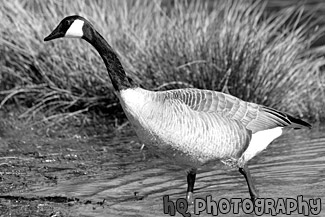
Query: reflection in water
(133, 183)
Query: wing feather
(253, 116)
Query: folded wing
(253, 116)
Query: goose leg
(252, 190)
(191, 175)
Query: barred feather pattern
(195, 126)
(253, 116)
(172, 129)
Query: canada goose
(191, 126)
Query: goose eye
(67, 23)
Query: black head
(72, 26)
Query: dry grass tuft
(227, 46)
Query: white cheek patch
(75, 30)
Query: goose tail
(298, 123)
(284, 119)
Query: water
(133, 182)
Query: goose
(191, 127)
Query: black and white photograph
(162, 108)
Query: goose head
(70, 27)
(78, 27)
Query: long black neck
(112, 63)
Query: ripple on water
(291, 166)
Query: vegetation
(229, 46)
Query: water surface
(132, 182)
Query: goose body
(192, 127)
(196, 126)
(165, 123)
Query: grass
(229, 46)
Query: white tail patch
(260, 140)
(75, 30)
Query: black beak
(55, 34)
